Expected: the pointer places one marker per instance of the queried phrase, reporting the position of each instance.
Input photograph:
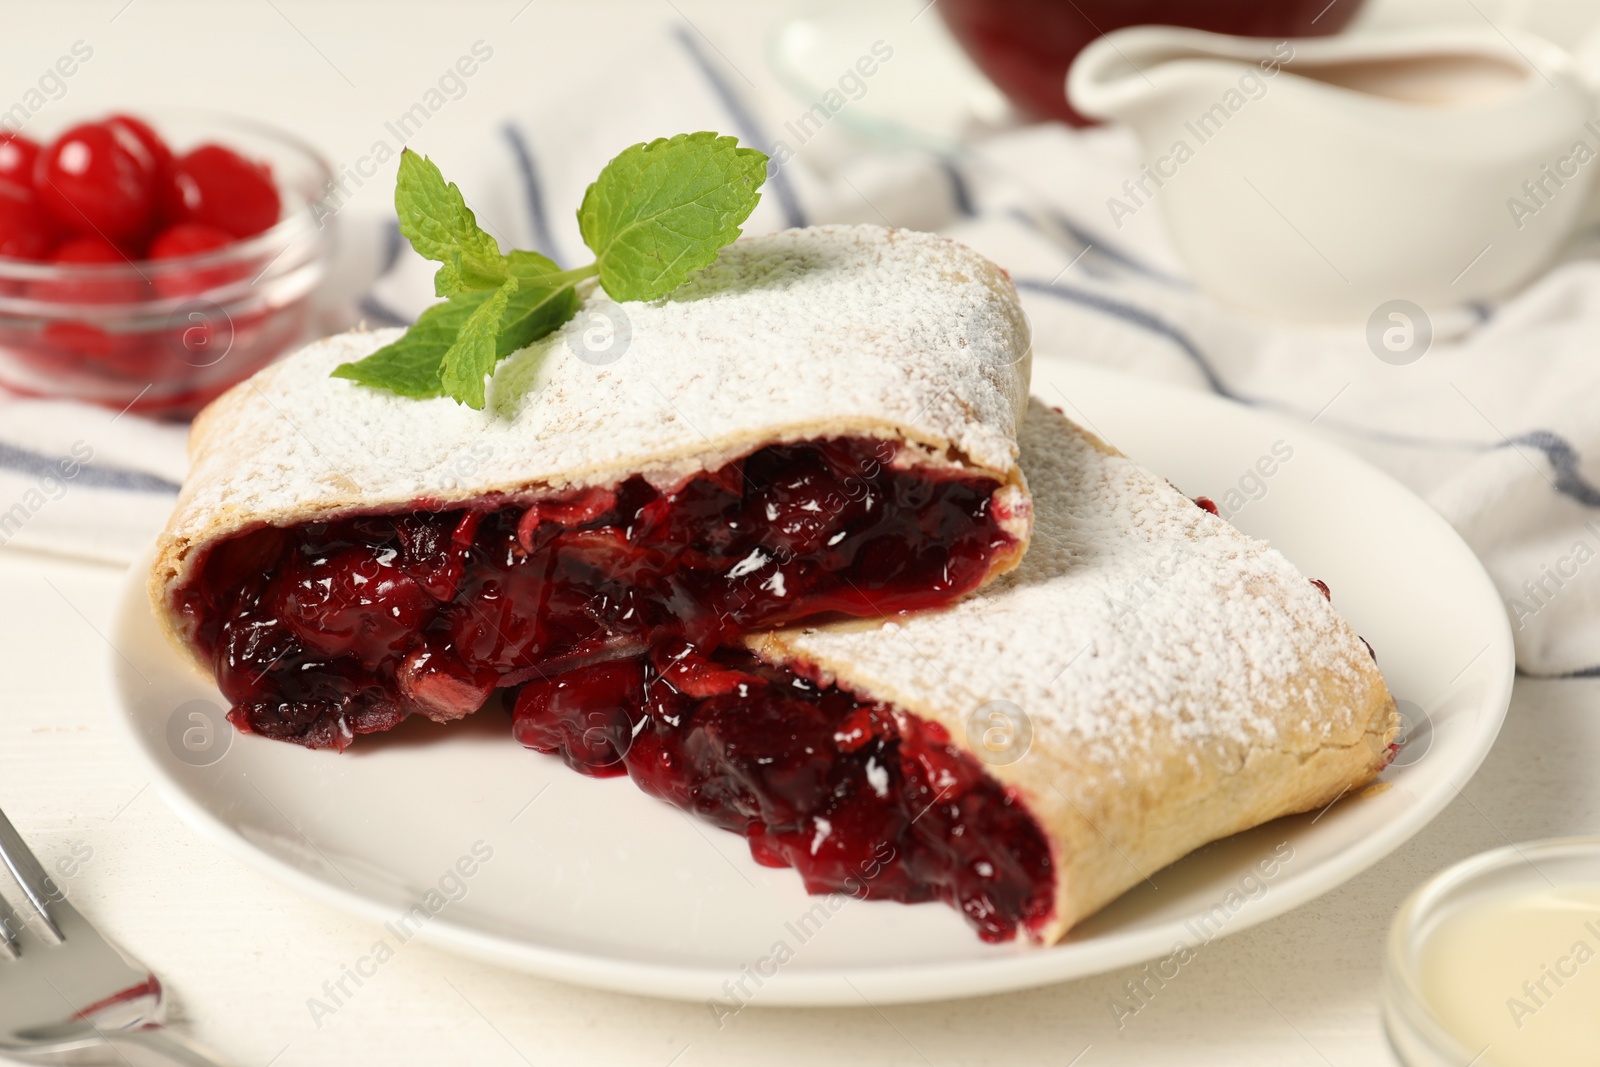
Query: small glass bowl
(164, 337)
(1419, 1037)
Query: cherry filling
(860, 798)
(320, 632)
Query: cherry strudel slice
(1149, 679)
(823, 422)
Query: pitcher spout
(1134, 71)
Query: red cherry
(219, 187)
(99, 355)
(88, 250)
(85, 346)
(583, 715)
(160, 155)
(435, 550)
(25, 232)
(693, 673)
(191, 239)
(188, 239)
(98, 180)
(356, 600)
(437, 685)
(106, 287)
(17, 158)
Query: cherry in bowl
(150, 261)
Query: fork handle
(156, 1046)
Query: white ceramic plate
(593, 882)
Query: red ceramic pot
(1026, 46)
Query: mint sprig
(657, 213)
(662, 210)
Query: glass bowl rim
(1404, 1000)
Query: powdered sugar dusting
(847, 329)
(1134, 616)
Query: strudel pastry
(821, 422)
(1149, 679)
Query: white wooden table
(243, 955)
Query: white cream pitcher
(1318, 179)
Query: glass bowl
(164, 337)
(1423, 1034)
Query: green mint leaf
(661, 210)
(414, 366)
(436, 220)
(476, 350)
(530, 265)
(532, 312)
(410, 366)
(656, 213)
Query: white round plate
(591, 881)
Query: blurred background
(870, 107)
(340, 74)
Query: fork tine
(9, 948)
(24, 867)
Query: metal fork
(66, 994)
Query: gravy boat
(1319, 179)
